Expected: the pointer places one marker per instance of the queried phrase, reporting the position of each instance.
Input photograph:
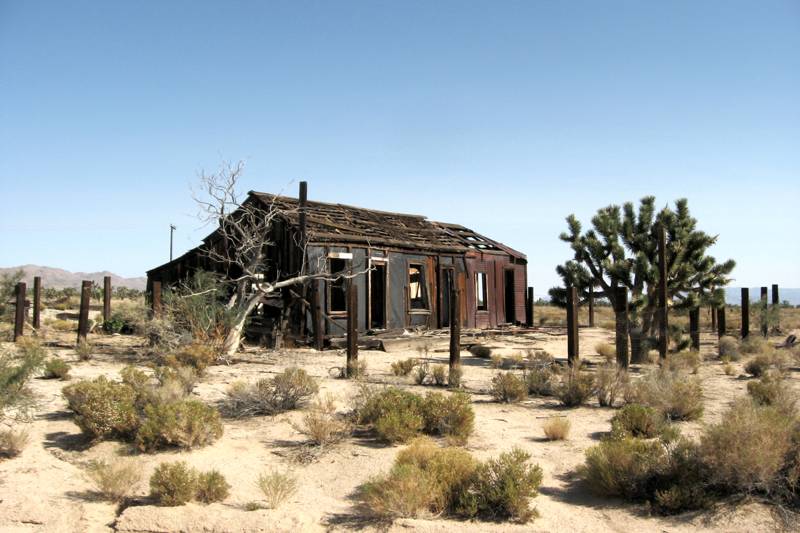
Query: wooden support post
(106, 298)
(19, 311)
(156, 299)
(83, 314)
(721, 321)
(352, 327)
(37, 302)
(573, 346)
(591, 306)
(694, 327)
(776, 303)
(455, 328)
(745, 312)
(529, 308)
(713, 313)
(621, 315)
(764, 312)
(316, 314)
(663, 339)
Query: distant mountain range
(59, 278)
(733, 295)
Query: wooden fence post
(352, 327)
(764, 312)
(83, 315)
(529, 308)
(316, 317)
(19, 311)
(455, 328)
(776, 303)
(694, 327)
(37, 302)
(156, 299)
(713, 313)
(573, 346)
(621, 315)
(591, 306)
(663, 339)
(106, 298)
(721, 321)
(745, 312)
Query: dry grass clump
(398, 416)
(540, 374)
(609, 381)
(606, 350)
(688, 360)
(270, 396)
(84, 350)
(454, 375)
(404, 366)
(12, 442)
(277, 487)
(56, 368)
(195, 355)
(728, 369)
(508, 388)
(115, 481)
(321, 425)
(729, 347)
(761, 363)
(16, 370)
(575, 388)
(421, 373)
(754, 344)
(426, 480)
(177, 483)
(771, 389)
(674, 394)
(63, 325)
(556, 428)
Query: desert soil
(46, 489)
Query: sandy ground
(45, 489)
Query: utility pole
(172, 229)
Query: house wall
(494, 266)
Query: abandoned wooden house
(405, 266)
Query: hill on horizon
(59, 278)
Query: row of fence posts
(83, 312)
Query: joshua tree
(621, 250)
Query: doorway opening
(377, 296)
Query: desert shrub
(84, 350)
(609, 381)
(421, 372)
(186, 424)
(771, 389)
(753, 344)
(103, 408)
(607, 351)
(728, 369)
(125, 321)
(211, 487)
(635, 420)
(501, 487)
(184, 377)
(759, 364)
(575, 388)
(539, 381)
(277, 487)
(173, 484)
(269, 396)
(556, 428)
(729, 347)
(454, 375)
(355, 370)
(747, 449)
(496, 361)
(12, 442)
(134, 378)
(478, 350)
(623, 467)
(688, 360)
(404, 366)
(399, 425)
(508, 388)
(395, 414)
(114, 481)
(451, 415)
(196, 356)
(63, 325)
(321, 424)
(439, 374)
(16, 370)
(675, 395)
(56, 368)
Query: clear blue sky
(502, 116)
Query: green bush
(211, 487)
(624, 467)
(638, 421)
(186, 424)
(575, 388)
(450, 415)
(399, 425)
(173, 484)
(103, 408)
(508, 388)
(501, 487)
(56, 368)
(539, 381)
(16, 398)
(404, 366)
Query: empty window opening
(337, 300)
(480, 291)
(416, 287)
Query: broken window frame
(423, 290)
(337, 285)
(481, 292)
